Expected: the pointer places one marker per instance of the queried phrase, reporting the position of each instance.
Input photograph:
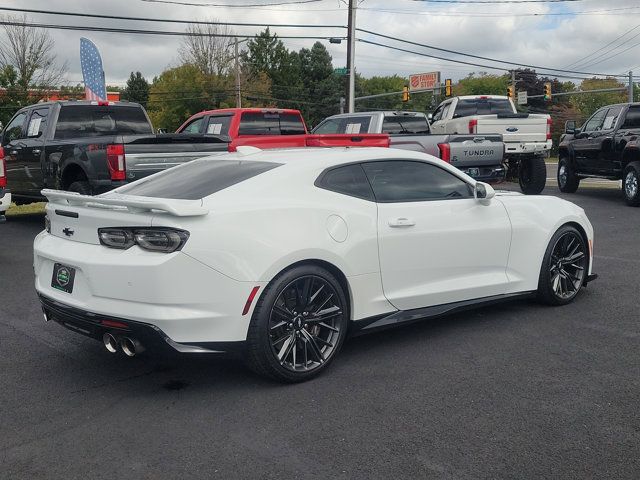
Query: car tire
(532, 175)
(564, 267)
(287, 338)
(568, 182)
(81, 187)
(631, 185)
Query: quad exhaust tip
(110, 342)
(131, 346)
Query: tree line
(271, 75)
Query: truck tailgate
(519, 128)
(143, 159)
(475, 150)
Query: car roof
(321, 157)
(478, 97)
(386, 113)
(244, 110)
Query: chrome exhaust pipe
(110, 342)
(131, 346)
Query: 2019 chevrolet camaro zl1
(278, 254)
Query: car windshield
(78, 121)
(197, 179)
(482, 106)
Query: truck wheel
(631, 186)
(568, 182)
(532, 175)
(82, 188)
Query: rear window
(404, 124)
(271, 123)
(198, 179)
(482, 106)
(79, 121)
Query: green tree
(175, 95)
(587, 103)
(137, 89)
(14, 96)
(482, 84)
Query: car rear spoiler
(348, 140)
(134, 204)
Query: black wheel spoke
(567, 265)
(305, 323)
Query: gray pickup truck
(89, 148)
(480, 156)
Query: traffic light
(448, 88)
(405, 94)
(547, 91)
(511, 92)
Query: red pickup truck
(269, 128)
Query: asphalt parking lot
(511, 391)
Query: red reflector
(549, 123)
(252, 295)
(116, 162)
(473, 125)
(113, 324)
(3, 169)
(484, 97)
(445, 152)
(103, 103)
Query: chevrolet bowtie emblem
(68, 232)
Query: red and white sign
(424, 81)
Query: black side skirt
(402, 317)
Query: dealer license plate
(63, 277)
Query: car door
(33, 150)
(437, 124)
(586, 144)
(13, 143)
(607, 155)
(437, 243)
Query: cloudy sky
(555, 34)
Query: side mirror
(570, 127)
(484, 192)
(430, 117)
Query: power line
(455, 52)
(600, 49)
(465, 62)
(494, 2)
(226, 5)
(166, 20)
(151, 32)
(602, 12)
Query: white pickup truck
(527, 137)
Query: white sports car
(279, 254)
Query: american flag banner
(92, 72)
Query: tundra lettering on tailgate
(478, 152)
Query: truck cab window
(595, 122)
(194, 127)
(632, 119)
(14, 129)
(37, 122)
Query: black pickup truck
(89, 148)
(606, 146)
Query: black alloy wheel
(564, 268)
(298, 326)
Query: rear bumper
(485, 174)
(523, 148)
(94, 326)
(5, 199)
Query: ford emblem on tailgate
(512, 129)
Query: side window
(632, 118)
(445, 110)
(219, 125)
(349, 180)
(611, 118)
(328, 126)
(194, 127)
(413, 181)
(14, 129)
(37, 122)
(437, 115)
(595, 122)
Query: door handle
(37, 151)
(401, 222)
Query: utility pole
(351, 52)
(630, 86)
(238, 95)
(513, 81)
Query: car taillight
(473, 126)
(3, 169)
(445, 152)
(116, 162)
(160, 239)
(549, 123)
